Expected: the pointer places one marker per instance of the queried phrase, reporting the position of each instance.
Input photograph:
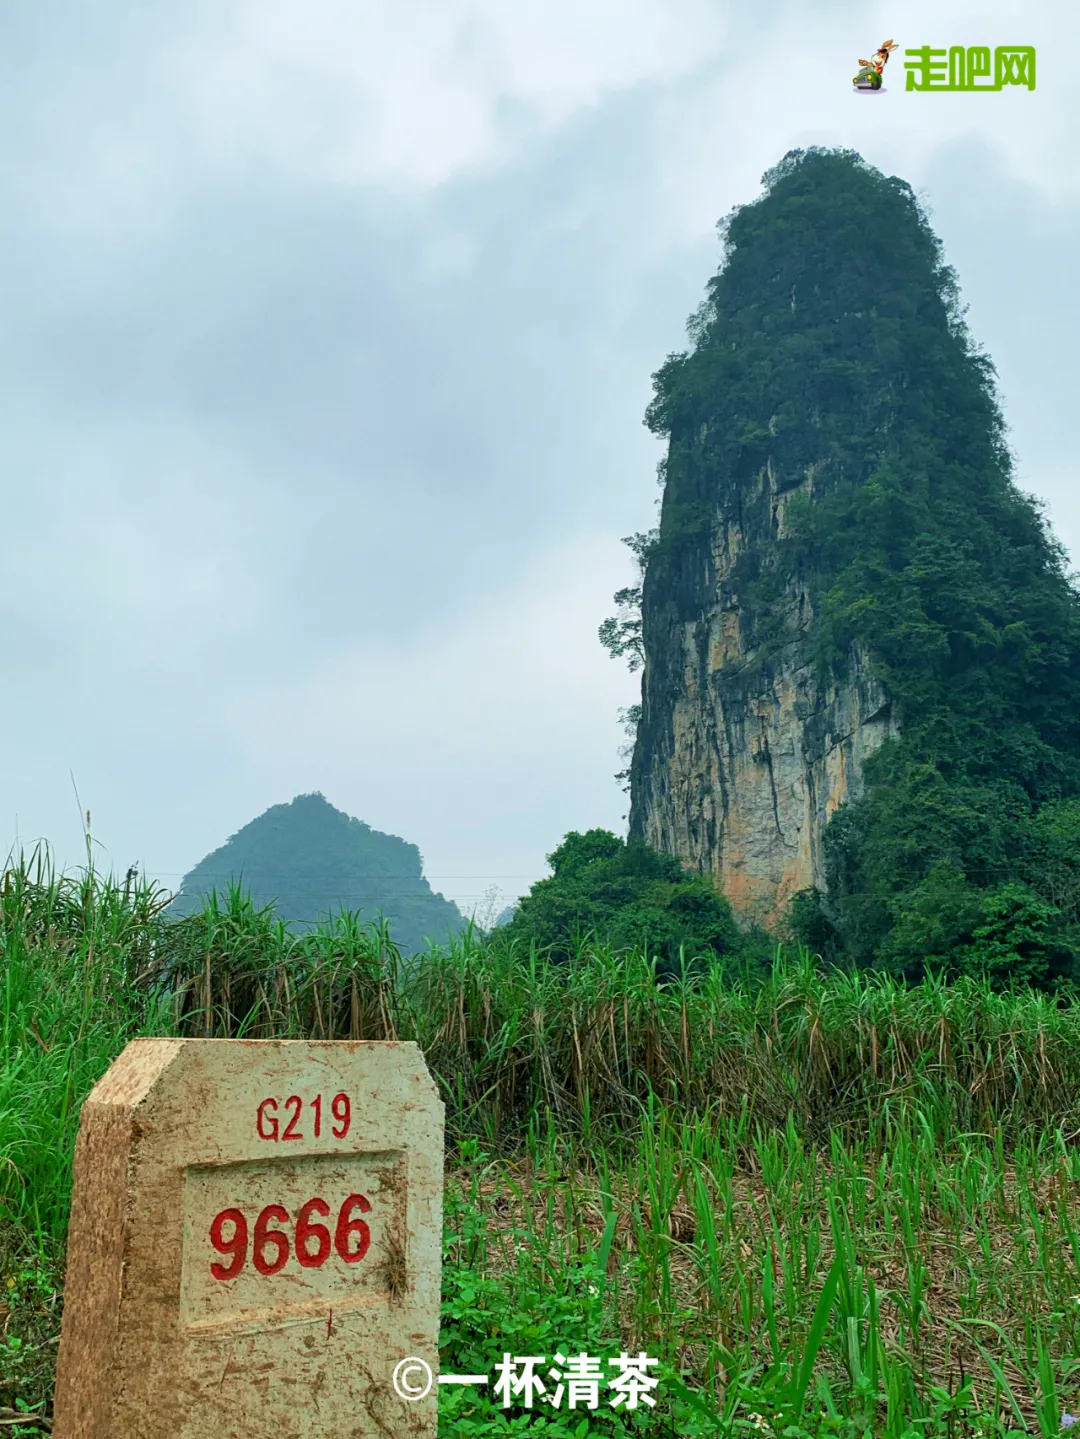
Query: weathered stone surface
(743, 755)
(255, 1243)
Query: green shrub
(626, 896)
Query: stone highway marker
(255, 1243)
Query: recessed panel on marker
(268, 1241)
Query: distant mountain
(310, 859)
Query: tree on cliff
(831, 356)
(310, 860)
(621, 633)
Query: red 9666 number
(312, 1243)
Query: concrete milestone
(255, 1243)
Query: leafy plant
(625, 896)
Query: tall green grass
(830, 1288)
(509, 1034)
(74, 956)
(822, 1198)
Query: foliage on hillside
(831, 351)
(311, 860)
(626, 896)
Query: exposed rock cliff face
(849, 603)
(745, 751)
(746, 746)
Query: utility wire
(291, 874)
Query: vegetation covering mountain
(833, 398)
(310, 860)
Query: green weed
(827, 1204)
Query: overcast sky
(327, 336)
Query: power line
(291, 874)
(305, 894)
